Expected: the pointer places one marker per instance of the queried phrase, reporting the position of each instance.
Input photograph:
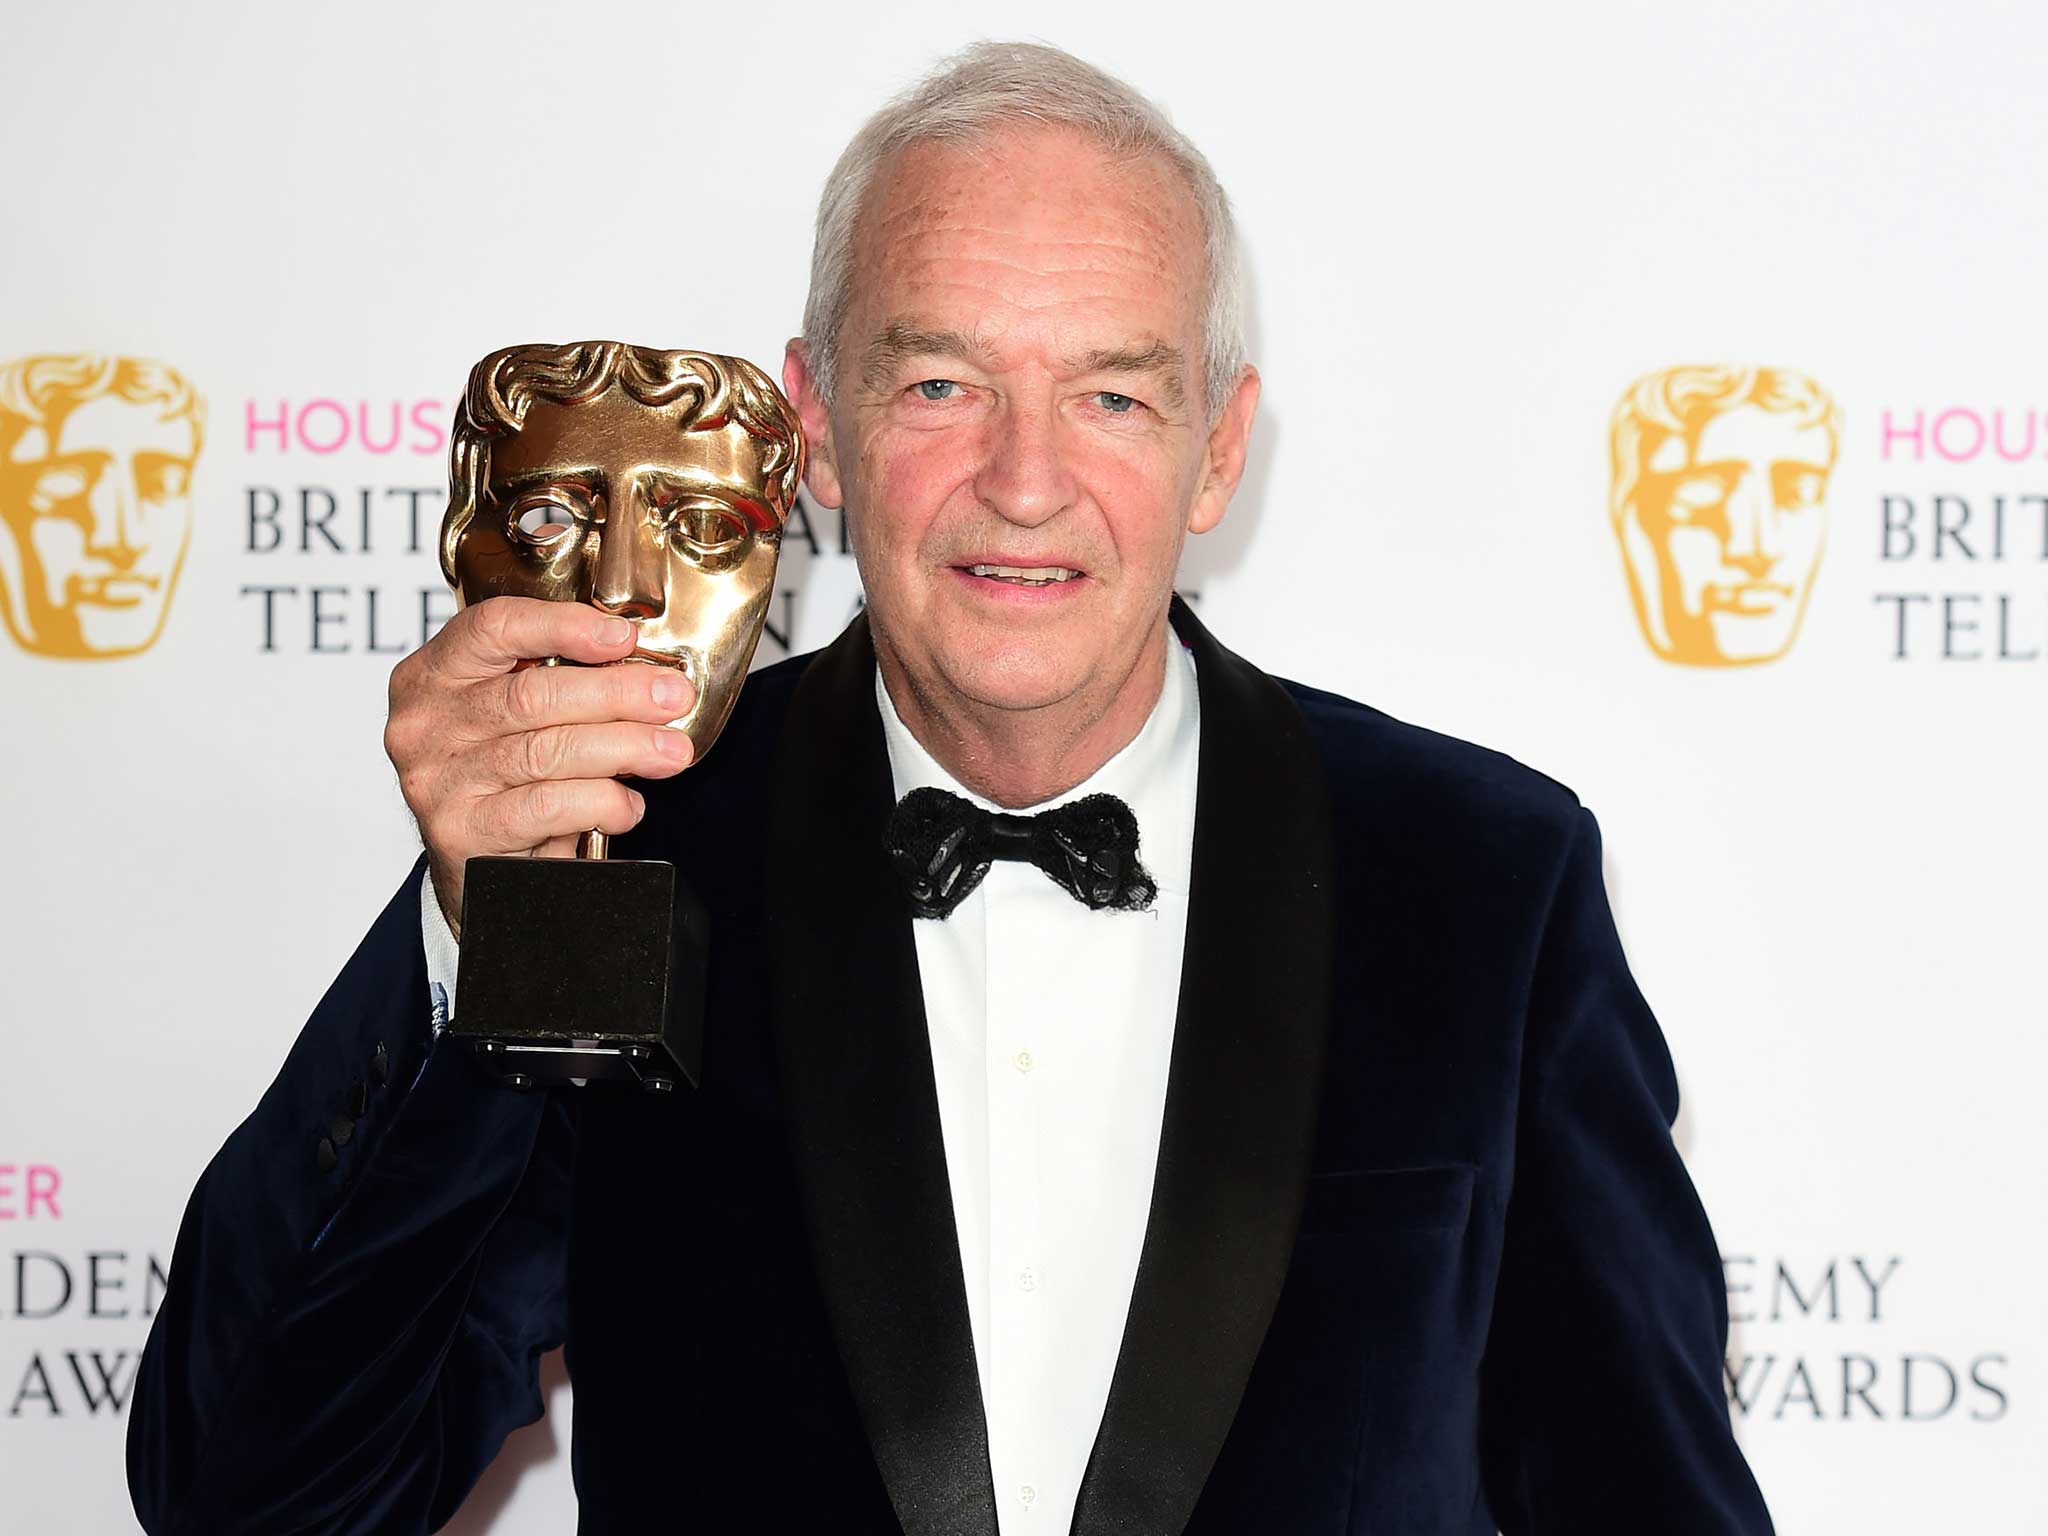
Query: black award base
(581, 970)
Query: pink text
(27, 1189)
(329, 426)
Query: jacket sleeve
(365, 1279)
(1601, 1392)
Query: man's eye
(936, 389)
(1113, 402)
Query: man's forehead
(1029, 218)
(1076, 348)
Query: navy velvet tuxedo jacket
(1421, 1256)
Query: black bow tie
(942, 846)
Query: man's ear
(821, 470)
(1223, 456)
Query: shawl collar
(1234, 1147)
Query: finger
(563, 847)
(613, 749)
(537, 697)
(516, 820)
(491, 637)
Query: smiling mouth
(1024, 575)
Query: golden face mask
(649, 484)
(96, 459)
(1719, 501)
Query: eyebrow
(1158, 359)
(901, 340)
(519, 480)
(1738, 462)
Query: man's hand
(498, 756)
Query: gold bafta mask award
(654, 485)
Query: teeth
(1036, 575)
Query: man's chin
(1016, 695)
(987, 662)
(1010, 678)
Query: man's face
(1736, 520)
(611, 503)
(1019, 434)
(97, 519)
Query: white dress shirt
(1052, 1030)
(1051, 1034)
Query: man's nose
(1753, 543)
(113, 535)
(1024, 475)
(632, 569)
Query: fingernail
(672, 692)
(672, 744)
(614, 632)
(639, 805)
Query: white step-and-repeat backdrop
(1655, 393)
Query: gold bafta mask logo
(649, 483)
(1719, 501)
(96, 457)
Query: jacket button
(326, 1156)
(341, 1128)
(358, 1098)
(380, 1065)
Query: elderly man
(1312, 1175)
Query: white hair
(979, 92)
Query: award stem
(592, 845)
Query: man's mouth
(1024, 575)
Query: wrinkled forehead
(109, 424)
(617, 440)
(1748, 434)
(1025, 222)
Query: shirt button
(1028, 1494)
(1028, 1279)
(1022, 1061)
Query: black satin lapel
(863, 1106)
(1241, 1101)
